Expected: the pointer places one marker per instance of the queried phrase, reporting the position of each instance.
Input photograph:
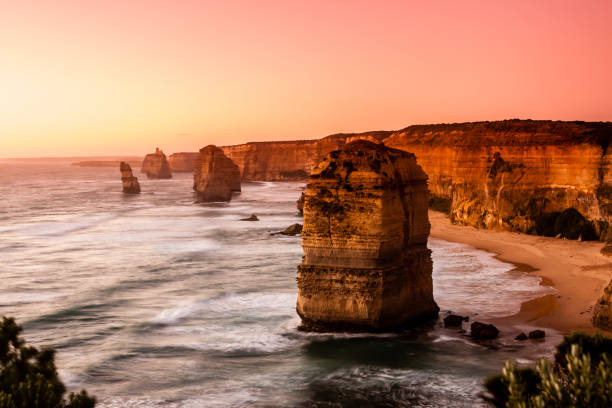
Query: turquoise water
(155, 301)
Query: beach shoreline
(577, 271)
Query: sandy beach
(575, 269)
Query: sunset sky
(89, 77)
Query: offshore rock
(183, 161)
(291, 230)
(130, 183)
(366, 266)
(253, 217)
(155, 165)
(537, 334)
(453, 320)
(215, 176)
(482, 331)
(602, 313)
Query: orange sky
(120, 77)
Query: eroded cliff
(602, 312)
(366, 265)
(215, 176)
(517, 175)
(183, 161)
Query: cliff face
(513, 175)
(215, 176)
(602, 312)
(183, 161)
(130, 183)
(155, 165)
(366, 265)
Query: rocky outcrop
(130, 183)
(155, 165)
(215, 176)
(602, 312)
(483, 331)
(516, 175)
(366, 266)
(300, 204)
(183, 161)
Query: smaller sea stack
(130, 183)
(366, 265)
(215, 175)
(155, 165)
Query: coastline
(577, 271)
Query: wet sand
(575, 269)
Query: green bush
(28, 377)
(580, 377)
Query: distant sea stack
(215, 176)
(366, 266)
(130, 183)
(155, 165)
(515, 175)
(183, 161)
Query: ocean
(156, 301)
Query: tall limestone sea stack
(155, 165)
(215, 176)
(366, 265)
(130, 183)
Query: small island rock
(484, 331)
(215, 176)
(155, 165)
(253, 217)
(130, 183)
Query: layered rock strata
(130, 183)
(516, 175)
(183, 161)
(215, 176)
(602, 312)
(155, 165)
(366, 266)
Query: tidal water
(155, 301)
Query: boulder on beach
(537, 334)
(602, 312)
(483, 331)
(521, 337)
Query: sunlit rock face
(602, 312)
(130, 183)
(183, 161)
(516, 175)
(366, 265)
(155, 165)
(215, 175)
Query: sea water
(155, 301)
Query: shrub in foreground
(28, 377)
(581, 376)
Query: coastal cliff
(183, 161)
(155, 165)
(515, 175)
(215, 176)
(366, 266)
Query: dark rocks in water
(253, 217)
(155, 165)
(454, 320)
(484, 331)
(130, 183)
(537, 334)
(300, 204)
(521, 337)
(294, 229)
(602, 312)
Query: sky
(89, 77)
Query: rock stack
(602, 312)
(155, 165)
(215, 176)
(366, 266)
(130, 183)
